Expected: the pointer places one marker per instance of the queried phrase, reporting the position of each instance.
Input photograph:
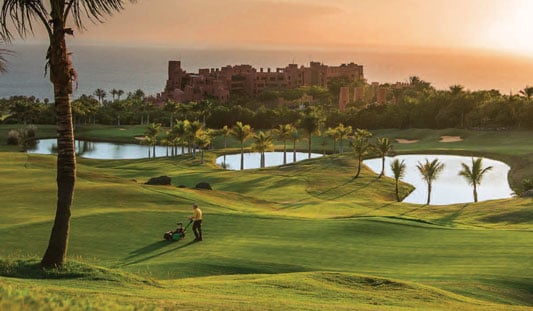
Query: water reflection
(253, 159)
(449, 187)
(101, 150)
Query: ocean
(131, 68)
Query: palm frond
(20, 14)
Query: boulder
(204, 185)
(527, 194)
(161, 180)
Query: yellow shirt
(197, 214)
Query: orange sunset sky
(499, 25)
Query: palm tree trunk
(60, 75)
(294, 151)
(309, 149)
(429, 193)
(242, 156)
(397, 192)
(225, 145)
(284, 152)
(358, 166)
(475, 193)
(382, 167)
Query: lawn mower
(177, 234)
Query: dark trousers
(197, 229)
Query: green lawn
(305, 237)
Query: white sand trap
(139, 137)
(406, 141)
(450, 139)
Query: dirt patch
(450, 139)
(406, 141)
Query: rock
(203, 185)
(527, 194)
(161, 180)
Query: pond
(252, 159)
(449, 187)
(100, 150)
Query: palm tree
(101, 94)
(119, 93)
(527, 92)
(343, 132)
(262, 143)
(295, 137)
(361, 146)
(430, 172)
(3, 61)
(474, 174)
(383, 147)
(202, 140)
(192, 130)
(398, 169)
(242, 133)
(225, 131)
(284, 133)
(21, 15)
(332, 133)
(310, 124)
(180, 130)
(151, 132)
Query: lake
(252, 159)
(101, 150)
(449, 187)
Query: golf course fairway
(306, 236)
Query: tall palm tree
(430, 172)
(151, 132)
(202, 140)
(20, 15)
(361, 146)
(310, 124)
(242, 133)
(284, 133)
(192, 131)
(225, 131)
(295, 137)
(262, 143)
(343, 132)
(383, 147)
(180, 130)
(474, 174)
(332, 133)
(119, 93)
(398, 170)
(527, 92)
(101, 94)
(3, 60)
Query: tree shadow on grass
(151, 248)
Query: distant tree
(474, 174)
(383, 147)
(310, 124)
(100, 94)
(430, 172)
(119, 93)
(151, 133)
(262, 143)
(54, 16)
(527, 92)
(180, 131)
(225, 131)
(202, 141)
(242, 133)
(361, 146)
(343, 132)
(334, 136)
(295, 137)
(193, 130)
(113, 93)
(284, 133)
(398, 170)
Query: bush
(13, 137)
(527, 184)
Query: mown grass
(302, 236)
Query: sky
(496, 25)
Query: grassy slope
(292, 236)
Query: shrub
(527, 183)
(13, 137)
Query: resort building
(221, 83)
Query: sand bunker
(450, 139)
(140, 137)
(406, 141)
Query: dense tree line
(417, 105)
